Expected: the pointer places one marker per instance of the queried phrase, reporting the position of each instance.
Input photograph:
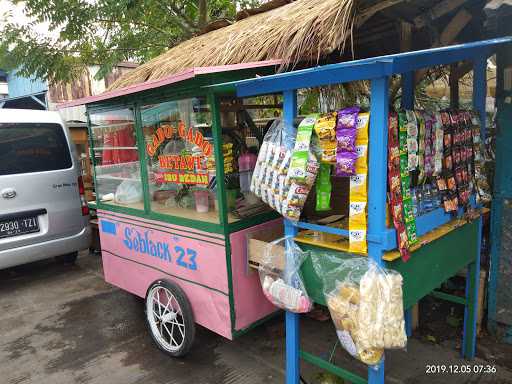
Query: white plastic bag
(366, 305)
(129, 192)
(280, 276)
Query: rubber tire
(69, 258)
(188, 317)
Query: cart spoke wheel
(169, 318)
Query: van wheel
(169, 318)
(69, 258)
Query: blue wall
(22, 86)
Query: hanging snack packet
(299, 159)
(412, 140)
(346, 137)
(358, 187)
(324, 188)
(395, 165)
(363, 120)
(420, 118)
(297, 194)
(361, 165)
(346, 163)
(325, 128)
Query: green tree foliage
(102, 32)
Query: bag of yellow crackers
(366, 305)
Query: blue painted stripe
(108, 227)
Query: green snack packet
(408, 210)
(410, 228)
(404, 172)
(323, 188)
(297, 170)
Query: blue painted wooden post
(408, 103)
(470, 310)
(473, 273)
(378, 171)
(480, 90)
(292, 319)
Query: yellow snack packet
(357, 240)
(361, 165)
(358, 187)
(325, 127)
(328, 151)
(357, 215)
(363, 121)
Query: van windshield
(32, 147)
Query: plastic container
(202, 203)
(246, 164)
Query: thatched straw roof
(303, 30)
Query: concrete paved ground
(64, 324)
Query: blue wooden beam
(313, 77)
(291, 319)
(367, 69)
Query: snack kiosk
(446, 239)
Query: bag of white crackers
(280, 276)
(366, 305)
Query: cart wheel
(169, 318)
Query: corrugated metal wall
(22, 86)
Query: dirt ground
(63, 324)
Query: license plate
(18, 226)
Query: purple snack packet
(346, 140)
(347, 118)
(346, 163)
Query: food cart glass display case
(171, 166)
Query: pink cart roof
(186, 75)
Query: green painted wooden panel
(434, 263)
(427, 268)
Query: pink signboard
(136, 252)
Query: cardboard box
(257, 244)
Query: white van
(43, 212)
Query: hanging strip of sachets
(395, 186)
(480, 182)
(407, 133)
(357, 223)
(446, 181)
(420, 119)
(462, 156)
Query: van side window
(33, 147)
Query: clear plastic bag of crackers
(280, 276)
(366, 305)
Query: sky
(18, 16)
